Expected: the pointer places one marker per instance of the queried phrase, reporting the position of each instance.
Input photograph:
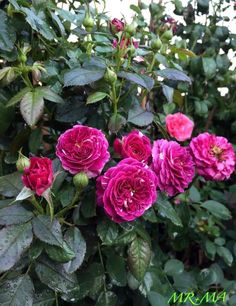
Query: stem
(26, 80)
(56, 299)
(114, 98)
(101, 259)
(152, 63)
(70, 206)
(37, 205)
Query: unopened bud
(110, 76)
(80, 180)
(22, 162)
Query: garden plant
(117, 154)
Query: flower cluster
(125, 41)
(128, 189)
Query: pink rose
(117, 25)
(179, 126)
(83, 149)
(173, 165)
(135, 145)
(39, 176)
(214, 156)
(127, 190)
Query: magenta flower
(173, 165)
(117, 25)
(214, 156)
(135, 145)
(179, 126)
(127, 190)
(83, 149)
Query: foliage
(48, 83)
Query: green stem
(56, 299)
(37, 205)
(152, 63)
(26, 80)
(102, 263)
(114, 98)
(70, 206)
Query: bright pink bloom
(127, 190)
(214, 156)
(135, 145)
(179, 126)
(83, 149)
(173, 165)
(39, 176)
(117, 25)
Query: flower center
(217, 151)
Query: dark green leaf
(168, 92)
(55, 277)
(173, 266)
(166, 210)
(156, 299)
(17, 98)
(11, 184)
(31, 107)
(15, 214)
(60, 254)
(217, 209)
(116, 269)
(107, 231)
(47, 231)
(116, 122)
(139, 116)
(14, 240)
(209, 67)
(173, 74)
(6, 116)
(139, 256)
(7, 33)
(96, 96)
(81, 76)
(142, 80)
(44, 298)
(225, 254)
(77, 243)
(49, 94)
(17, 292)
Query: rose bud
(22, 162)
(80, 181)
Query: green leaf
(142, 80)
(15, 214)
(44, 298)
(209, 67)
(55, 277)
(217, 209)
(7, 33)
(11, 184)
(47, 231)
(96, 96)
(173, 266)
(36, 249)
(81, 76)
(156, 299)
(14, 240)
(60, 254)
(49, 94)
(139, 256)
(168, 92)
(107, 231)
(16, 292)
(185, 282)
(139, 116)
(37, 21)
(31, 107)
(174, 74)
(182, 51)
(17, 98)
(116, 269)
(210, 249)
(88, 205)
(194, 194)
(77, 243)
(116, 122)
(225, 254)
(107, 298)
(6, 117)
(166, 210)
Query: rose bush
(110, 195)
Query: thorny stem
(114, 98)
